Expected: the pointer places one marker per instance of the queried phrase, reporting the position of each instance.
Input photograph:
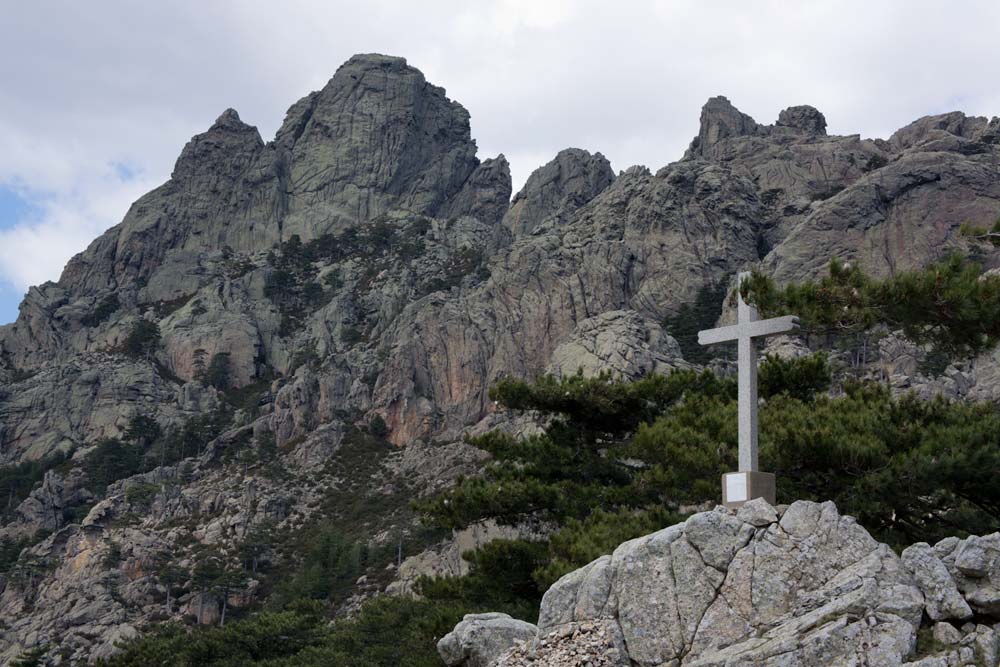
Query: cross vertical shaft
(749, 482)
(747, 384)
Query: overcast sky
(97, 98)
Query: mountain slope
(364, 270)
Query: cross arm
(758, 329)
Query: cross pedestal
(748, 483)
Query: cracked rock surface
(796, 585)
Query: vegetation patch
(950, 305)
(17, 481)
(692, 318)
(106, 307)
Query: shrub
(378, 427)
(104, 310)
(218, 372)
(142, 340)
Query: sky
(97, 98)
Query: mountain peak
(374, 61)
(721, 120)
(561, 186)
(803, 117)
(228, 120)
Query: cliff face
(380, 161)
(365, 263)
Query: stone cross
(749, 482)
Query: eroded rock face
(467, 288)
(797, 585)
(416, 284)
(619, 342)
(721, 120)
(974, 564)
(557, 189)
(804, 118)
(446, 351)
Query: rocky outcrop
(721, 120)
(803, 118)
(796, 585)
(902, 216)
(447, 351)
(90, 584)
(619, 342)
(46, 508)
(429, 286)
(559, 188)
(377, 137)
(486, 194)
(66, 406)
(480, 638)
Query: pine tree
(142, 340)
(218, 373)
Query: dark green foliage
(933, 363)
(876, 161)
(501, 578)
(112, 557)
(464, 262)
(34, 657)
(574, 475)
(198, 362)
(333, 280)
(378, 427)
(143, 339)
(987, 235)
(10, 550)
(254, 641)
(141, 494)
(907, 469)
(218, 372)
(292, 286)
(111, 460)
(143, 431)
(692, 318)
(251, 397)
(325, 557)
(104, 310)
(613, 460)
(258, 541)
(191, 438)
(267, 446)
(351, 336)
(579, 542)
(386, 632)
(17, 481)
(305, 356)
(800, 378)
(950, 305)
(147, 446)
(601, 409)
(332, 564)
(573, 467)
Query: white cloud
(117, 82)
(63, 224)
